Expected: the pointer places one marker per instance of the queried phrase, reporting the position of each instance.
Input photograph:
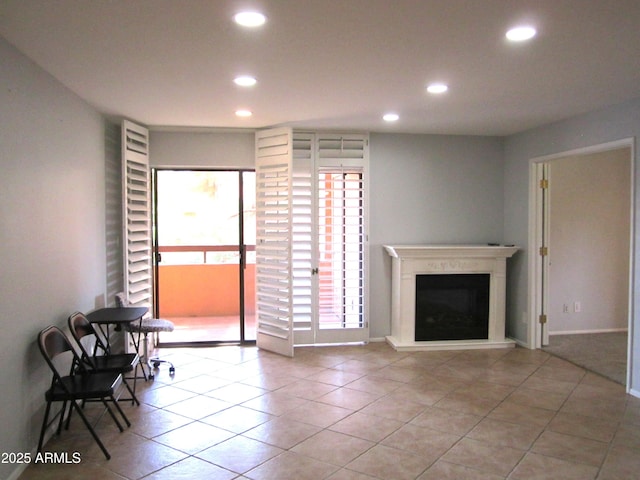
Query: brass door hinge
(542, 319)
(544, 183)
(544, 251)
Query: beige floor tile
(541, 467)
(581, 426)
(513, 435)
(534, 398)
(423, 395)
(318, 414)
(333, 447)
(367, 427)
(237, 419)
(193, 437)
(338, 378)
(421, 441)
(165, 396)
(157, 422)
(525, 355)
(198, 407)
(486, 390)
(628, 436)
(521, 414)
(546, 384)
(483, 456)
(275, 403)
(348, 398)
(345, 474)
(192, 469)
(270, 381)
(147, 457)
(239, 454)
(307, 389)
(503, 376)
(282, 433)
(375, 385)
(621, 464)
(467, 403)
(566, 372)
(442, 470)
(400, 374)
(389, 463)
(58, 471)
(236, 393)
(292, 465)
(571, 448)
(362, 413)
(604, 409)
(395, 408)
(447, 421)
(202, 384)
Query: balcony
(199, 291)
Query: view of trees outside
(200, 209)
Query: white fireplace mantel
(411, 260)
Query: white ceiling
(336, 64)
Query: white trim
(520, 343)
(534, 233)
(634, 392)
(586, 332)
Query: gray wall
(210, 149)
(589, 223)
(52, 231)
(606, 125)
(429, 189)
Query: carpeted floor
(602, 353)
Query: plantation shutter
(274, 299)
(303, 235)
(138, 285)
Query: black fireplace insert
(452, 306)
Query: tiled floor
(362, 413)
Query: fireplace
(452, 307)
(448, 296)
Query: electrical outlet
(577, 307)
(565, 308)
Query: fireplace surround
(411, 262)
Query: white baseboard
(522, 344)
(580, 332)
(634, 392)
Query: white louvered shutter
(303, 233)
(137, 249)
(274, 298)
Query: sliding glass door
(205, 254)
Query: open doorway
(204, 244)
(583, 256)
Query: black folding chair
(101, 359)
(79, 386)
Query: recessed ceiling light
(250, 19)
(243, 113)
(437, 88)
(245, 81)
(390, 117)
(520, 34)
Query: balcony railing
(204, 280)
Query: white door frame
(536, 229)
